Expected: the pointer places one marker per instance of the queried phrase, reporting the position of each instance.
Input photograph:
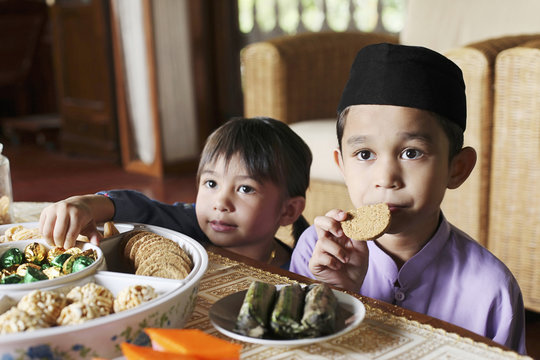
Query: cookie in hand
(367, 222)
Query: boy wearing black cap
(400, 129)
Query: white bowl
(102, 337)
(99, 264)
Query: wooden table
(387, 332)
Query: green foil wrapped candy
(81, 263)
(12, 279)
(11, 257)
(33, 275)
(59, 260)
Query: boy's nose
(223, 202)
(387, 174)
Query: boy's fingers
(324, 261)
(333, 246)
(329, 223)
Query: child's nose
(223, 202)
(387, 174)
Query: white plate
(223, 313)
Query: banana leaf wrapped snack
(292, 313)
(320, 309)
(254, 314)
(287, 313)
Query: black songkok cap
(410, 76)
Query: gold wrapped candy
(21, 269)
(35, 252)
(54, 252)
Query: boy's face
(399, 156)
(234, 210)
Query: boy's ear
(292, 210)
(461, 167)
(338, 159)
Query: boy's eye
(246, 189)
(210, 184)
(410, 154)
(365, 155)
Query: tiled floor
(42, 175)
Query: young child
(400, 129)
(252, 179)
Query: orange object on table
(193, 342)
(136, 352)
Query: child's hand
(336, 259)
(61, 222)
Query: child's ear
(292, 210)
(461, 167)
(338, 159)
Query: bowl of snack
(33, 264)
(91, 316)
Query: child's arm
(61, 222)
(336, 259)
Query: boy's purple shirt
(451, 278)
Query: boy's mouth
(221, 226)
(394, 207)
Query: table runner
(380, 336)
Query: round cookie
(131, 238)
(165, 269)
(138, 242)
(367, 222)
(163, 256)
(164, 245)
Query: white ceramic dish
(99, 264)
(223, 313)
(102, 337)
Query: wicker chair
(514, 221)
(467, 207)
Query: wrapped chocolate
(60, 260)
(11, 257)
(12, 279)
(81, 263)
(21, 269)
(52, 272)
(33, 275)
(54, 252)
(10, 270)
(35, 253)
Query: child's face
(399, 156)
(236, 211)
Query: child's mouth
(221, 226)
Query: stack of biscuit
(150, 254)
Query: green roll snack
(296, 313)
(320, 309)
(253, 317)
(287, 313)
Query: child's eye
(411, 154)
(246, 189)
(365, 155)
(210, 184)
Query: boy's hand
(62, 222)
(336, 259)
